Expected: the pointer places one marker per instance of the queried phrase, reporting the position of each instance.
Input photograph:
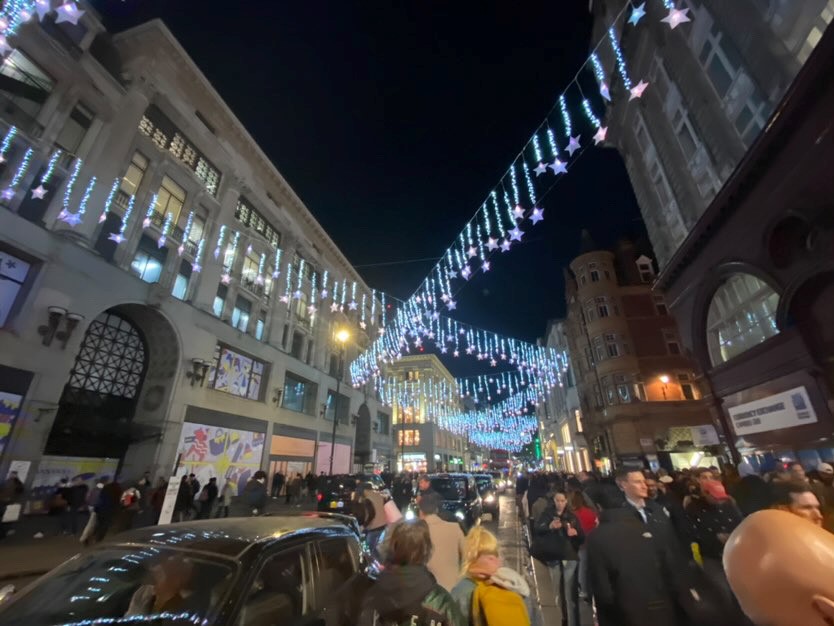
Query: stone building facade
(129, 357)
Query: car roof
(232, 536)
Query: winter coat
(751, 493)
(409, 596)
(506, 579)
(254, 495)
(447, 551)
(542, 527)
(708, 520)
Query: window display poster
(52, 469)
(217, 451)
(9, 409)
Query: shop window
(181, 281)
(149, 260)
(240, 314)
(220, 300)
(408, 438)
(299, 394)
(742, 314)
(260, 325)
(337, 404)
(236, 373)
(671, 339)
(13, 273)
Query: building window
(75, 129)
(752, 117)
(721, 60)
(24, 89)
(240, 314)
(236, 373)
(149, 260)
(646, 271)
(297, 344)
(577, 416)
(742, 314)
(249, 274)
(592, 267)
(337, 404)
(660, 305)
(599, 349)
(260, 325)
(181, 281)
(133, 176)
(671, 339)
(408, 438)
(685, 133)
(602, 306)
(383, 422)
(611, 345)
(249, 216)
(590, 314)
(310, 352)
(597, 396)
(640, 391)
(302, 313)
(687, 387)
(13, 273)
(220, 300)
(299, 394)
(565, 434)
(169, 199)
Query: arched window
(742, 314)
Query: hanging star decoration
(456, 353)
(42, 7)
(492, 244)
(676, 17)
(540, 169)
(466, 272)
(516, 234)
(599, 136)
(493, 362)
(226, 279)
(472, 252)
(605, 92)
(311, 310)
(117, 237)
(363, 325)
(334, 308)
(638, 89)
(284, 299)
(537, 215)
(451, 305)
(558, 167)
(637, 13)
(8, 193)
(505, 246)
(324, 294)
(485, 266)
(518, 212)
(197, 268)
(297, 294)
(352, 306)
(573, 145)
(68, 12)
(73, 219)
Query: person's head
(560, 499)
(481, 556)
(632, 483)
(192, 477)
(260, 476)
(825, 471)
(797, 498)
(423, 483)
(576, 500)
(714, 492)
(409, 544)
(664, 483)
(429, 504)
(184, 480)
(797, 472)
(704, 476)
(213, 480)
(172, 574)
(651, 485)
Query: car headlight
(460, 515)
(490, 498)
(409, 515)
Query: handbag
(550, 546)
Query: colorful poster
(9, 409)
(52, 469)
(225, 453)
(236, 374)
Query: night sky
(393, 120)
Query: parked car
(265, 570)
(461, 500)
(489, 495)
(500, 480)
(336, 492)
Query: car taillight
(319, 497)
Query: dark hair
(621, 475)
(783, 492)
(409, 544)
(430, 503)
(260, 474)
(576, 500)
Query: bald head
(781, 569)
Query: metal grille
(112, 358)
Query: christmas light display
(166, 228)
(119, 237)
(40, 191)
(8, 192)
(73, 219)
(197, 267)
(221, 237)
(185, 233)
(7, 142)
(110, 196)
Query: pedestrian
(446, 539)
(406, 593)
(76, 498)
(310, 482)
(799, 499)
(750, 492)
(277, 484)
(182, 505)
(60, 505)
(588, 518)
(559, 536)
(107, 506)
(376, 521)
(823, 486)
(194, 484)
(207, 498)
(254, 494)
(489, 594)
(295, 490)
(225, 499)
(158, 499)
(11, 494)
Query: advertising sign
(782, 410)
(9, 408)
(166, 514)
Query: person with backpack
(489, 594)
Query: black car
(239, 571)
(335, 493)
(461, 500)
(489, 495)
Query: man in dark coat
(751, 492)
(207, 498)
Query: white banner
(166, 515)
(704, 436)
(782, 410)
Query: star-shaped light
(637, 14)
(381, 332)
(259, 280)
(418, 342)
(276, 274)
(226, 279)
(540, 169)
(363, 325)
(444, 350)
(485, 266)
(451, 305)
(435, 315)
(325, 294)
(503, 356)
(285, 299)
(518, 212)
(638, 89)
(334, 308)
(537, 215)
(297, 294)
(505, 246)
(492, 243)
(472, 252)
(573, 144)
(2, 158)
(493, 362)
(311, 309)
(73, 219)
(466, 272)
(599, 136)
(558, 167)
(516, 234)
(676, 17)
(197, 268)
(68, 12)
(470, 350)
(117, 237)
(456, 353)
(147, 222)
(4, 46)
(444, 297)
(161, 241)
(352, 306)
(180, 250)
(604, 92)
(42, 7)
(102, 217)
(8, 193)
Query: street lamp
(665, 380)
(342, 335)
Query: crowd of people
(646, 548)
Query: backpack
(495, 606)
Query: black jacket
(751, 494)
(708, 520)
(542, 527)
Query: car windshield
(450, 488)
(484, 483)
(338, 484)
(124, 586)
